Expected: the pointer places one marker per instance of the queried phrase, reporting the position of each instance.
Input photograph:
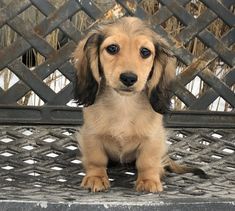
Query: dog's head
(127, 56)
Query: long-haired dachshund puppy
(123, 74)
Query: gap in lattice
(216, 135)
(37, 185)
(56, 168)
(150, 7)
(180, 134)
(220, 105)
(230, 168)
(34, 174)
(33, 59)
(219, 68)
(228, 150)
(168, 142)
(31, 99)
(8, 36)
(61, 180)
(68, 131)
(48, 139)
(10, 179)
(218, 27)
(195, 8)
(177, 156)
(27, 131)
(114, 13)
(30, 161)
(196, 47)
(82, 174)
(33, 15)
(7, 139)
(196, 87)
(76, 161)
(177, 104)
(6, 154)
(28, 147)
(52, 154)
(216, 156)
(57, 39)
(7, 79)
(71, 147)
(173, 26)
(129, 173)
(72, 103)
(7, 167)
(29, 58)
(56, 81)
(204, 142)
(82, 21)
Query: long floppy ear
(88, 68)
(163, 73)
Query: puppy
(123, 74)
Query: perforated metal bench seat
(40, 170)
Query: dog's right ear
(87, 64)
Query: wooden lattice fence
(32, 36)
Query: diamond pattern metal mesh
(43, 163)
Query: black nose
(128, 78)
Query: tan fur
(122, 125)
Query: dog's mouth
(125, 91)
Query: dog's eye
(145, 53)
(112, 49)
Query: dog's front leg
(95, 163)
(149, 167)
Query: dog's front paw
(148, 185)
(96, 183)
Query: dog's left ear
(162, 74)
(87, 64)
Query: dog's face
(126, 56)
(127, 62)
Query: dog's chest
(122, 118)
